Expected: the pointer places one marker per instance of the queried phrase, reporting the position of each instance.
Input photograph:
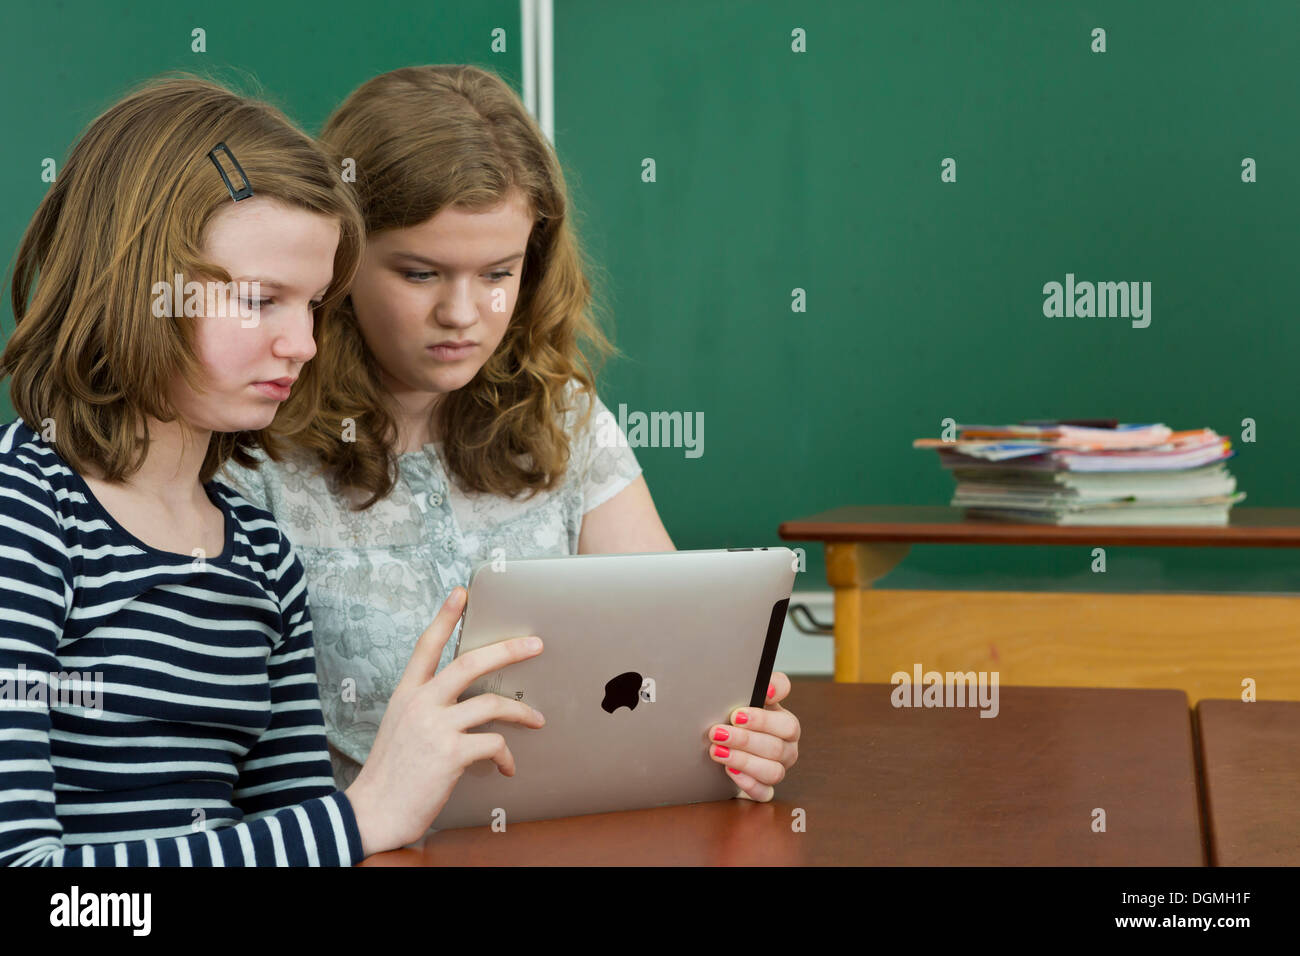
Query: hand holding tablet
(423, 745)
(762, 744)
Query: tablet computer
(643, 654)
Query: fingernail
(534, 644)
(741, 717)
(720, 734)
(721, 752)
(771, 690)
(734, 770)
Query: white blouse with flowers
(376, 578)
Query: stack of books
(1072, 474)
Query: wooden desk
(1203, 644)
(1250, 759)
(881, 785)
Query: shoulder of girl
(579, 399)
(23, 450)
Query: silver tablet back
(643, 654)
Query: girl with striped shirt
(158, 697)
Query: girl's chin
(450, 379)
(254, 420)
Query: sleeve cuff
(351, 854)
(591, 502)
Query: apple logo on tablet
(622, 691)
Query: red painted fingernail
(734, 770)
(771, 690)
(720, 734)
(721, 752)
(742, 717)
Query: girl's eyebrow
(437, 265)
(274, 286)
(263, 283)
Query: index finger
(774, 720)
(454, 679)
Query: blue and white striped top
(155, 708)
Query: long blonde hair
(423, 139)
(127, 211)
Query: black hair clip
(235, 194)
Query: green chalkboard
(822, 170)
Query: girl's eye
(258, 303)
(425, 276)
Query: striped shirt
(155, 708)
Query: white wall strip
(528, 51)
(546, 69)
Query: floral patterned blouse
(376, 578)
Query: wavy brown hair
(423, 139)
(126, 211)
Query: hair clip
(235, 194)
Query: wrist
(371, 841)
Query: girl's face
(290, 251)
(452, 279)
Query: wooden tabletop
(879, 785)
(1250, 755)
(1248, 528)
